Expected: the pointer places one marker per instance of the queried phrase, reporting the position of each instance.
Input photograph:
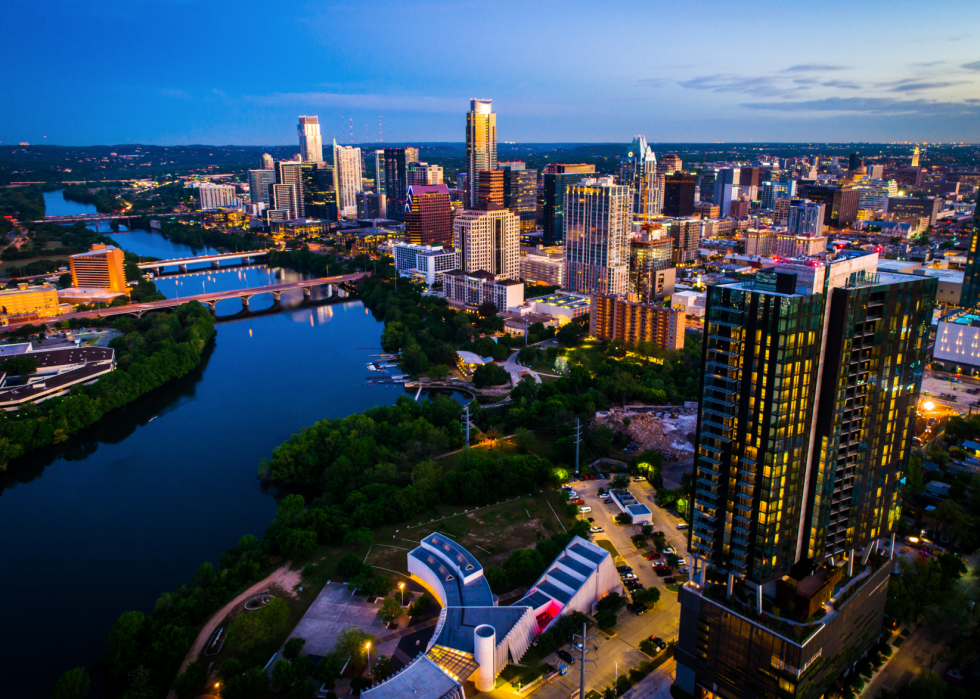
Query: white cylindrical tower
(484, 653)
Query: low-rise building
(542, 265)
(467, 290)
(616, 318)
(427, 263)
(225, 217)
(58, 369)
(690, 303)
(297, 227)
(564, 306)
(39, 301)
(624, 500)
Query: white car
(596, 530)
(605, 496)
(584, 508)
(667, 551)
(627, 576)
(571, 493)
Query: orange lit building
(616, 318)
(34, 301)
(99, 268)
(490, 189)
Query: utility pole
(585, 640)
(578, 438)
(466, 419)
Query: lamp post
(616, 683)
(367, 647)
(401, 588)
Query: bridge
(334, 284)
(215, 260)
(96, 218)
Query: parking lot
(622, 648)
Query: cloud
(842, 84)
(175, 93)
(872, 105)
(812, 68)
(972, 66)
(918, 87)
(763, 86)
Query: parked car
(637, 608)
(667, 551)
(627, 576)
(596, 530)
(584, 509)
(670, 581)
(681, 527)
(578, 501)
(659, 644)
(653, 556)
(566, 656)
(639, 479)
(624, 569)
(590, 519)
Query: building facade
(481, 143)
(38, 301)
(638, 170)
(258, 185)
(615, 318)
(348, 179)
(467, 290)
(541, 265)
(99, 268)
(287, 192)
(310, 142)
(520, 194)
(488, 241)
(427, 262)
(214, 196)
(556, 179)
(396, 168)
(679, 194)
(806, 218)
(651, 270)
(971, 274)
(428, 215)
(686, 234)
(598, 228)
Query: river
(131, 507)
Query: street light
(616, 683)
(401, 587)
(367, 647)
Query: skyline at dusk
(183, 72)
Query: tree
(297, 544)
(189, 683)
(283, 674)
(624, 518)
(349, 565)
(351, 642)
(523, 566)
(328, 669)
(252, 684)
(253, 630)
(490, 375)
(304, 688)
(293, 647)
(649, 596)
(360, 683)
(382, 669)
(20, 366)
(648, 646)
(74, 684)
(419, 606)
(390, 610)
(487, 309)
(619, 481)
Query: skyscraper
(557, 178)
(489, 189)
(598, 225)
(289, 173)
(423, 173)
(854, 161)
(258, 185)
(638, 170)
(428, 215)
(267, 162)
(481, 143)
(811, 375)
(915, 157)
(212, 196)
(380, 186)
(520, 193)
(670, 164)
(319, 192)
(725, 189)
(397, 161)
(970, 296)
(347, 178)
(679, 194)
(806, 218)
(310, 144)
(488, 241)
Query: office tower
(319, 193)
(748, 182)
(283, 201)
(915, 207)
(397, 161)
(707, 210)
(99, 268)
(841, 202)
(213, 196)
(726, 189)
(915, 157)
(520, 193)
(638, 170)
(679, 194)
(428, 215)
(488, 241)
(652, 274)
(771, 191)
(368, 206)
(489, 189)
(910, 176)
(556, 179)
(469, 290)
(806, 218)
(348, 178)
(380, 186)
(873, 195)
(615, 318)
(854, 162)
(739, 208)
(811, 376)
(542, 265)
(310, 143)
(970, 297)
(481, 143)
(267, 162)
(289, 172)
(669, 164)
(686, 233)
(423, 173)
(706, 186)
(780, 210)
(598, 224)
(258, 185)
(462, 188)
(876, 172)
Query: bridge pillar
(215, 264)
(330, 290)
(245, 303)
(341, 292)
(212, 305)
(307, 293)
(182, 268)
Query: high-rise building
(679, 194)
(267, 162)
(423, 173)
(970, 296)
(99, 268)
(876, 172)
(854, 162)
(598, 225)
(380, 186)
(489, 189)
(32, 301)
(469, 290)
(638, 170)
(214, 196)
(915, 157)
(488, 241)
(289, 172)
(686, 233)
(706, 186)
(840, 202)
(428, 215)
(616, 318)
(258, 185)
(652, 273)
(347, 178)
(319, 193)
(310, 143)
(520, 193)
(726, 189)
(915, 207)
(806, 218)
(481, 143)
(800, 464)
(397, 161)
(368, 206)
(873, 195)
(669, 164)
(542, 265)
(748, 182)
(557, 178)
(771, 191)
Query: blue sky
(187, 71)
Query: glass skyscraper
(481, 144)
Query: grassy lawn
(608, 545)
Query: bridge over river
(215, 260)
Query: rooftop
(461, 622)
(421, 678)
(563, 301)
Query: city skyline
(688, 85)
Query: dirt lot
(654, 428)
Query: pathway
(276, 577)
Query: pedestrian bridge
(215, 260)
